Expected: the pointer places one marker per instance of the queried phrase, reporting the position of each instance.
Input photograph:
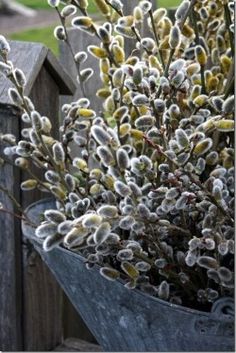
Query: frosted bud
(65, 227)
(145, 122)
(59, 33)
(225, 274)
(190, 259)
(122, 159)
(207, 262)
(163, 290)
(52, 177)
(58, 153)
(91, 220)
(109, 273)
(51, 242)
(182, 10)
(68, 10)
(108, 211)
(148, 44)
(174, 39)
(172, 193)
(143, 211)
(105, 155)
(145, 6)
(209, 244)
(160, 263)
(140, 99)
(46, 229)
(81, 57)
(5, 69)
(36, 121)
(126, 222)
(54, 216)
(22, 163)
(159, 105)
(137, 75)
(102, 233)
(54, 3)
(212, 158)
(20, 77)
(86, 74)
(217, 193)
(122, 189)
(135, 189)
(100, 135)
(142, 266)
(228, 105)
(4, 46)
(15, 96)
(223, 248)
(182, 138)
(125, 255)
(70, 182)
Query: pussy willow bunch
(149, 195)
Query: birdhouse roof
(30, 58)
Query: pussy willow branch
(67, 41)
(192, 179)
(156, 38)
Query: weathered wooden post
(30, 298)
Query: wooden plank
(42, 295)
(77, 345)
(30, 57)
(66, 84)
(10, 248)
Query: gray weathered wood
(30, 57)
(77, 345)
(10, 249)
(30, 298)
(42, 296)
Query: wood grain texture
(10, 248)
(30, 298)
(42, 295)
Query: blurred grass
(42, 35)
(45, 35)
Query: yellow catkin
(201, 55)
(103, 93)
(86, 113)
(99, 53)
(125, 129)
(104, 65)
(225, 63)
(118, 53)
(103, 7)
(213, 83)
(136, 134)
(187, 31)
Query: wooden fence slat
(10, 249)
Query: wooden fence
(34, 313)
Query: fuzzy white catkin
(54, 3)
(4, 45)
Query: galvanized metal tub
(130, 320)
